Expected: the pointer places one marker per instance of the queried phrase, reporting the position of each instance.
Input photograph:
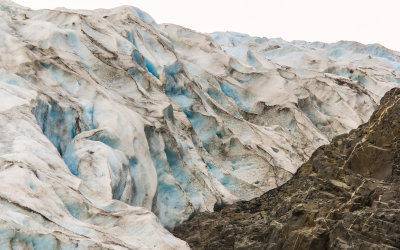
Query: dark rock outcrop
(347, 196)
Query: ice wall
(107, 116)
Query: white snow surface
(114, 128)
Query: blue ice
(151, 68)
(131, 38)
(145, 17)
(226, 180)
(71, 160)
(171, 202)
(138, 58)
(231, 92)
(205, 127)
(337, 53)
(57, 124)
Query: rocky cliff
(346, 196)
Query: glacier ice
(114, 127)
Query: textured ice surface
(109, 120)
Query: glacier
(116, 128)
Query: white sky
(365, 21)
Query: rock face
(114, 127)
(346, 196)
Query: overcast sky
(365, 21)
